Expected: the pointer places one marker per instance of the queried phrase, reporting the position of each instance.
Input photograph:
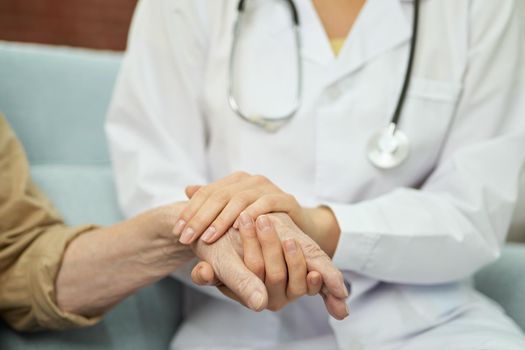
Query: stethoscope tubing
(387, 149)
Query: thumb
(203, 274)
(232, 272)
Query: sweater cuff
(44, 261)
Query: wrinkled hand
(224, 262)
(334, 291)
(230, 269)
(281, 265)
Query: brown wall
(100, 24)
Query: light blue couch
(56, 100)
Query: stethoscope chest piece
(388, 148)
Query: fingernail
(347, 309)
(290, 246)
(246, 220)
(256, 301)
(178, 227)
(208, 234)
(348, 288)
(263, 223)
(187, 235)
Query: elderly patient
(55, 277)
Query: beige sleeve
(33, 239)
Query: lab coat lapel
(381, 27)
(315, 43)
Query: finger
(202, 274)
(335, 306)
(314, 282)
(317, 260)
(231, 211)
(191, 190)
(198, 199)
(296, 270)
(200, 222)
(274, 263)
(232, 272)
(253, 256)
(271, 203)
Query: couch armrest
(504, 281)
(146, 320)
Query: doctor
(415, 219)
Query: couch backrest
(56, 100)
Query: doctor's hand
(214, 208)
(281, 265)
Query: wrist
(326, 230)
(156, 250)
(103, 266)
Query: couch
(56, 99)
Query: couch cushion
(504, 281)
(56, 100)
(83, 194)
(147, 320)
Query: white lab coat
(420, 228)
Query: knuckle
(186, 214)
(336, 275)
(259, 271)
(276, 277)
(197, 220)
(270, 201)
(221, 196)
(204, 191)
(275, 306)
(219, 223)
(243, 283)
(241, 199)
(260, 179)
(238, 175)
(256, 266)
(295, 292)
(291, 199)
(313, 251)
(297, 264)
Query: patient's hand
(224, 263)
(268, 264)
(281, 266)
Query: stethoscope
(386, 149)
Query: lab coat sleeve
(158, 89)
(155, 127)
(457, 221)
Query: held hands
(282, 266)
(285, 272)
(215, 208)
